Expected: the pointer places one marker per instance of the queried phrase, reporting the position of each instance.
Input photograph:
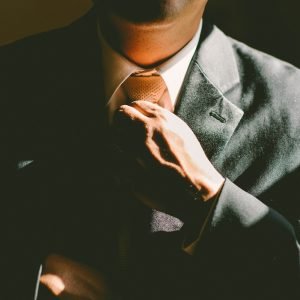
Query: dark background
(272, 26)
(269, 25)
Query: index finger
(133, 113)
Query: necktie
(147, 85)
(150, 86)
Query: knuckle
(148, 128)
(148, 143)
(160, 129)
(161, 115)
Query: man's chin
(144, 11)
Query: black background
(268, 25)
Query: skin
(150, 43)
(70, 280)
(165, 148)
(168, 156)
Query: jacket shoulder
(52, 46)
(31, 66)
(269, 85)
(264, 64)
(44, 77)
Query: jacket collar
(215, 57)
(204, 106)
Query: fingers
(128, 127)
(146, 105)
(72, 280)
(147, 108)
(140, 110)
(54, 283)
(133, 113)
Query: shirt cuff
(193, 230)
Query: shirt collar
(117, 68)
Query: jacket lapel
(203, 106)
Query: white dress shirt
(117, 69)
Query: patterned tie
(150, 86)
(145, 85)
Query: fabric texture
(144, 86)
(59, 194)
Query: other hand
(69, 280)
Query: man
(148, 156)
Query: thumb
(54, 283)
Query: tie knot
(144, 85)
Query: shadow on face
(146, 11)
(148, 32)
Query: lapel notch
(203, 106)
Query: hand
(169, 154)
(69, 280)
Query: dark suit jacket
(57, 195)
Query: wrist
(198, 198)
(195, 212)
(213, 188)
(206, 189)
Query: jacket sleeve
(249, 238)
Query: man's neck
(148, 45)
